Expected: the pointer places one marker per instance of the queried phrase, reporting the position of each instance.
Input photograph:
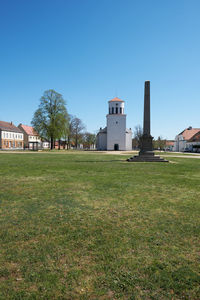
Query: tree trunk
(52, 143)
(68, 143)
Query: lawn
(79, 225)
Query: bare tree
(77, 127)
(138, 131)
(89, 139)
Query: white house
(31, 137)
(11, 137)
(115, 136)
(188, 140)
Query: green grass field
(79, 225)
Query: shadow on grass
(98, 161)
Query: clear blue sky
(93, 50)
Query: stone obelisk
(146, 146)
(146, 123)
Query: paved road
(175, 154)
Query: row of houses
(20, 137)
(25, 137)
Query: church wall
(116, 131)
(129, 140)
(102, 141)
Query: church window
(116, 110)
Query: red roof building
(31, 137)
(11, 137)
(187, 140)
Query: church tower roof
(116, 99)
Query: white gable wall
(102, 140)
(129, 140)
(179, 144)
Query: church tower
(116, 125)
(115, 136)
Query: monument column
(146, 153)
(146, 125)
(146, 145)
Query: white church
(115, 136)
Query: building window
(120, 110)
(116, 110)
(112, 110)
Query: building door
(116, 147)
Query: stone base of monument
(146, 157)
(146, 153)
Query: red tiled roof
(195, 137)
(189, 133)
(29, 130)
(9, 127)
(116, 99)
(169, 143)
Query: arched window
(112, 110)
(116, 110)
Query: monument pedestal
(146, 153)
(146, 157)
